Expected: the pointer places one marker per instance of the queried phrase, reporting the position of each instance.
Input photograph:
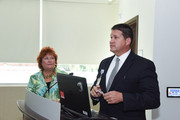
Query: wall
(166, 56)
(9, 96)
(145, 9)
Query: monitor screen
(74, 94)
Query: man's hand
(113, 97)
(95, 91)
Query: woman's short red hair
(44, 51)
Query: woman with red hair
(43, 83)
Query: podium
(35, 107)
(28, 114)
(39, 108)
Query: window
(19, 73)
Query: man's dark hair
(125, 29)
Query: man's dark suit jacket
(137, 80)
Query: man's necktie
(113, 73)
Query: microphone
(99, 78)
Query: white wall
(166, 56)
(145, 9)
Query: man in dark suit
(134, 88)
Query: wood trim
(133, 23)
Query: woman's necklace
(48, 76)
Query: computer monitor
(74, 94)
